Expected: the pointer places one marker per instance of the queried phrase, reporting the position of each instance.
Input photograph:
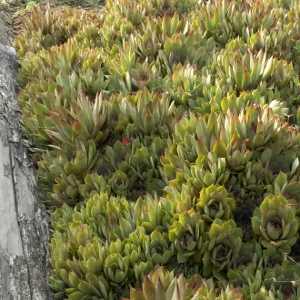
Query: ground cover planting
(166, 141)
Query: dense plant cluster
(166, 140)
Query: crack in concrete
(12, 163)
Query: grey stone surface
(24, 233)
(3, 36)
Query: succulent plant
(158, 248)
(79, 264)
(107, 217)
(116, 269)
(187, 234)
(209, 170)
(162, 284)
(186, 85)
(215, 203)
(213, 20)
(183, 196)
(184, 50)
(250, 70)
(119, 183)
(157, 127)
(216, 134)
(229, 293)
(61, 216)
(148, 112)
(147, 45)
(273, 258)
(275, 223)
(266, 98)
(62, 171)
(84, 121)
(248, 257)
(46, 29)
(111, 218)
(220, 244)
(141, 166)
(155, 214)
(286, 182)
(284, 282)
(94, 184)
(263, 294)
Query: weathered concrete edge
(24, 223)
